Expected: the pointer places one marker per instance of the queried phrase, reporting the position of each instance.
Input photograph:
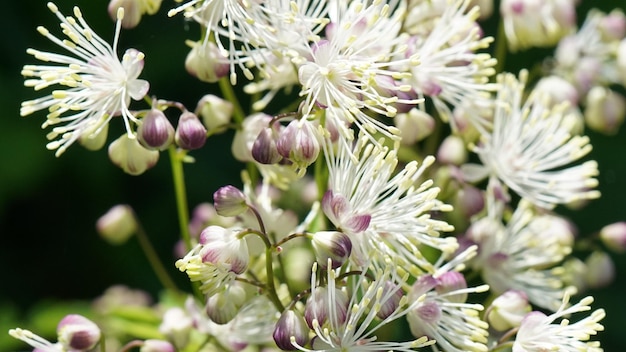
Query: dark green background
(49, 250)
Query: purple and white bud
(77, 333)
(130, 156)
(132, 12)
(452, 151)
(604, 110)
(155, 131)
(206, 62)
(450, 282)
(264, 149)
(332, 245)
(299, 143)
(600, 270)
(177, 326)
(118, 224)
(414, 126)
(390, 301)
(613, 26)
(229, 201)
(222, 246)
(223, 306)
(153, 345)
(291, 325)
(470, 200)
(614, 236)
(214, 111)
(320, 303)
(190, 132)
(508, 310)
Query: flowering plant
(401, 189)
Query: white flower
(450, 72)
(353, 71)
(380, 209)
(440, 311)
(353, 330)
(98, 85)
(539, 332)
(531, 148)
(524, 255)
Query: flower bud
(298, 142)
(132, 12)
(621, 60)
(390, 301)
(176, 325)
(614, 236)
(223, 306)
(190, 133)
(604, 111)
(449, 282)
(452, 151)
(130, 156)
(508, 310)
(117, 225)
(77, 333)
(414, 125)
(206, 62)
(486, 7)
(157, 346)
(214, 111)
(290, 325)
(155, 131)
(332, 245)
(222, 246)
(94, 137)
(229, 201)
(264, 149)
(318, 303)
(613, 26)
(600, 270)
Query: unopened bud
(132, 12)
(190, 133)
(94, 137)
(414, 125)
(222, 246)
(177, 325)
(613, 26)
(452, 151)
(206, 62)
(155, 131)
(229, 201)
(449, 282)
(508, 310)
(604, 111)
(614, 236)
(298, 142)
(291, 325)
(77, 333)
(223, 306)
(130, 156)
(332, 245)
(390, 301)
(318, 303)
(157, 346)
(600, 270)
(118, 224)
(264, 149)
(214, 111)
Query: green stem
(500, 50)
(176, 160)
(153, 258)
(270, 287)
(229, 95)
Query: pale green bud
(130, 156)
(118, 224)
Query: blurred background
(49, 249)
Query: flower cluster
(360, 222)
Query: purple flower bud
(298, 142)
(264, 148)
(78, 333)
(390, 301)
(508, 310)
(223, 306)
(132, 12)
(222, 246)
(229, 201)
(321, 302)
(206, 62)
(450, 282)
(290, 326)
(190, 132)
(332, 245)
(155, 131)
(157, 346)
